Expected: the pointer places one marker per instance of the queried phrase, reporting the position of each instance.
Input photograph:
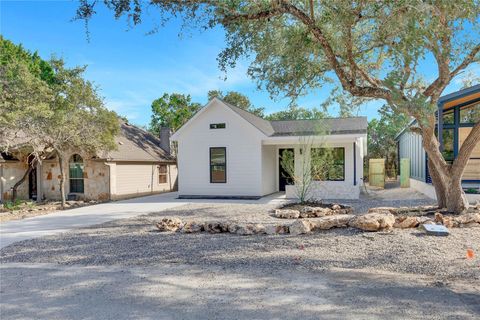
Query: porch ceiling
(319, 139)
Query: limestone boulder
(383, 210)
(215, 227)
(329, 222)
(405, 222)
(192, 227)
(276, 229)
(300, 227)
(374, 221)
(468, 220)
(286, 214)
(249, 229)
(169, 224)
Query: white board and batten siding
(243, 143)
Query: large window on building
(218, 165)
(76, 174)
(448, 145)
(328, 164)
(449, 116)
(470, 114)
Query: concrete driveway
(66, 220)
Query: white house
(225, 151)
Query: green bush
(12, 205)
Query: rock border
(379, 219)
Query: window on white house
(162, 173)
(331, 164)
(76, 174)
(217, 125)
(218, 165)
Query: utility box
(376, 172)
(405, 173)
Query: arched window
(76, 174)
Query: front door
(32, 184)
(283, 177)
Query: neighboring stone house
(141, 165)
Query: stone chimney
(165, 139)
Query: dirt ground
(126, 267)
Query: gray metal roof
(276, 128)
(135, 144)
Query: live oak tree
(294, 112)
(381, 137)
(46, 108)
(172, 111)
(24, 105)
(372, 49)
(80, 122)
(237, 99)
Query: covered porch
(343, 179)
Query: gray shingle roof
(322, 126)
(261, 124)
(135, 144)
(276, 128)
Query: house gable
(217, 106)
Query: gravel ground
(136, 242)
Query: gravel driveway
(340, 272)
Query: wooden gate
(376, 172)
(405, 172)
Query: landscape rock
(276, 229)
(192, 227)
(425, 220)
(468, 220)
(383, 210)
(336, 207)
(300, 227)
(374, 221)
(169, 224)
(335, 221)
(287, 214)
(216, 227)
(249, 229)
(405, 222)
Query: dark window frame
(221, 125)
(343, 165)
(224, 165)
(73, 187)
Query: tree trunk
(447, 179)
(62, 179)
(22, 180)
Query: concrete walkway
(62, 221)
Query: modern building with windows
(141, 165)
(457, 113)
(227, 152)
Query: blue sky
(132, 68)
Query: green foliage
(46, 107)
(172, 111)
(237, 99)
(381, 137)
(13, 205)
(295, 112)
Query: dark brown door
(283, 177)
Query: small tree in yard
(312, 165)
(372, 49)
